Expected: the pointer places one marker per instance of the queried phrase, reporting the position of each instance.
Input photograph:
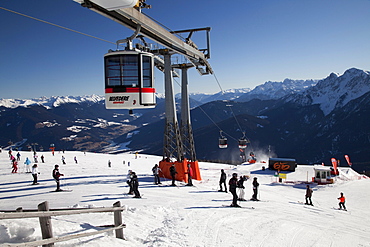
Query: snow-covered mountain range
(49, 102)
(331, 92)
(307, 119)
(335, 91)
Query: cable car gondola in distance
(242, 143)
(129, 80)
(222, 141)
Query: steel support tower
(172, 144)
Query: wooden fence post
(45, 223)
(118, 220)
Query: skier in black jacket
(232, 187)
(56, 176)
(135, 185)
(255, 189)
(173, 173)
(223, 181)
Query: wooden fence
(44, 214)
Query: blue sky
(252, 41)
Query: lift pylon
(172, 146)
(185, 123)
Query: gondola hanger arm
(129, 40)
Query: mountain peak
(336, 91)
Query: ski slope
(182, 215)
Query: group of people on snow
(234, 183)
(34, 170)
(132, 180)
(133, 184)
(309, 191)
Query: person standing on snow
(255, 189)
(223, 181)
(42, 159)
(173, 173)
(18, 156)
(27, 163)
(190, 176)
(241, 187)
(129, 181)
(63, 160)
(342, 201)
(308, 195)
(232, 188)
(15, 166)
(135, 185)
(156, 171)
(35, 171)
(56, 176)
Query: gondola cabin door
(129, 80)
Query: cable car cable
(65, 28)
(115, 43)
(205, 113)
(236, 120)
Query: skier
(232, 188)
(308, 195)
(15, 166)
(241, 187)
(75, 159)
(18, 156)
(27, 163)
(342, 201)
(223, 181)
(129, 181)
(135, 185)
(42, 159)
(35, 171)
(109, 163)
(255, 189)
(173, 173)
(63, 160)
(56, 176)
(190, 176)
(35, 158)
(156, 171)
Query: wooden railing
(44, 215)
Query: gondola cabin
(222, 142)
(129, 80)
(242, 143)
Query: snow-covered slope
(183, 215)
